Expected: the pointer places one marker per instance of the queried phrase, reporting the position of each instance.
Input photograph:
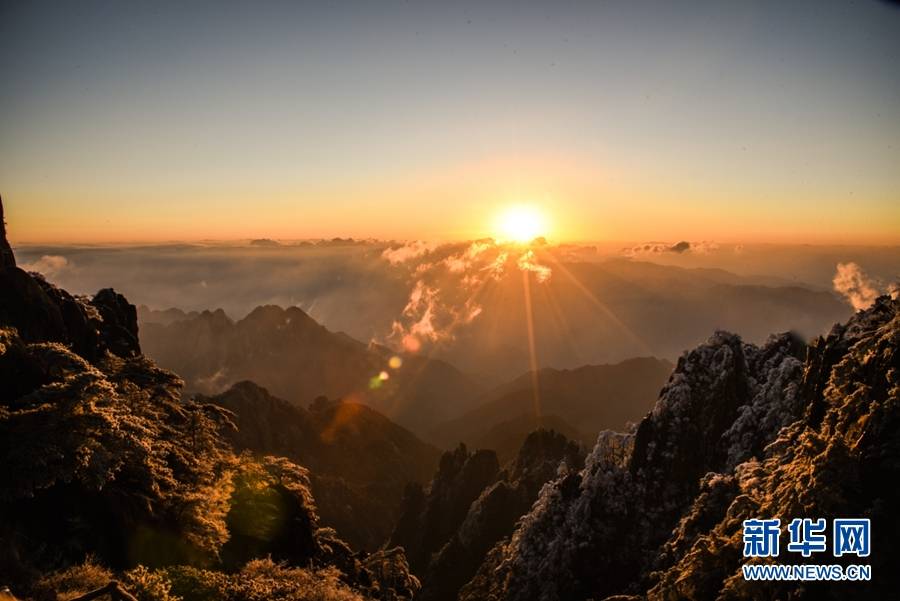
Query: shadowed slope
(360, 461)
(591, 398)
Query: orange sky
(752, 123)
(578, 202)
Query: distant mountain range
(287, 352)
(507, 437)
(591, 313)
(296, 358)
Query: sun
(521, 223)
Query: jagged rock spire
(7, 259)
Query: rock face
(119, 329)
(840, 459)
(7, 259)
(429, 518)
(739, 432)
(41, 312)
(544, 455)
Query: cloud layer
(48, 265)
(446, 282)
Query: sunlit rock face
(841, 458)
(740, 431)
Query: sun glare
(521, 224)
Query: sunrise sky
(754, 121)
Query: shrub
(72, 582)
(148, 585)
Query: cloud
(650, 248)
(527, 262)
(462, 262)
(428, 318)
(214, 383)
(47, 265)
(447, 281)
(704, 247)
(858, 288)
(408, 251)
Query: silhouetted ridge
(42, 312)
(7, 258)
(120, 327)
(470, 505)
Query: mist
(591, 303)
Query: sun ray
(629, 333)
(532, 351)
(560, 322)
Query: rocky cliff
(739, 431)
(544, 455)
(431, 516)
(7, 259)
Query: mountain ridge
(596, 397)
(289, 353)
(740, 431)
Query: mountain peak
(7, 258)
